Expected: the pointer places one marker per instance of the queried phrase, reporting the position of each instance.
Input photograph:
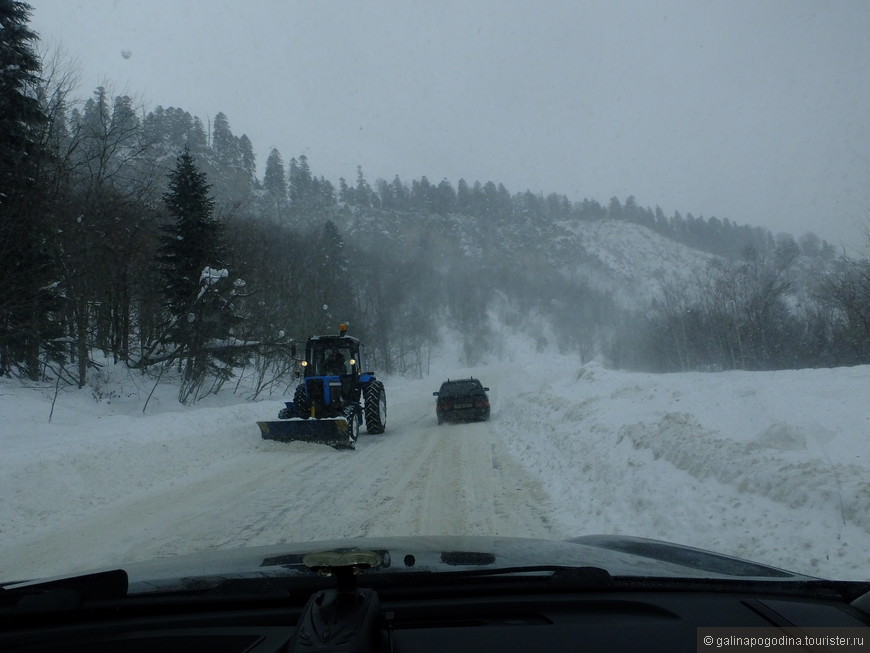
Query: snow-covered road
(771, 466)
(207, 480)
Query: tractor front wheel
(301, 402)
(352, 417)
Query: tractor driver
(334, 363)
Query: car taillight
(482, 403)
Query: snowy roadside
(771, 466)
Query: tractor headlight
(353, 361)
(304, 363)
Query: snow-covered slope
(630, 261)
(772, 466)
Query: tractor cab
(332, 356)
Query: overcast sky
(752, 110)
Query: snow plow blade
(334, 432)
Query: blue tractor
(335, 397)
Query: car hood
(620, 556)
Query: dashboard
(461, 618)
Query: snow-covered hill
(627, 261)
(773, 466)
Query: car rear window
(457, 388)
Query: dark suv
(461, 400)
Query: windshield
(331, 360)
(645, 227)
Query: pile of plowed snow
(773, 466)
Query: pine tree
(345, 192)
(299, 179)
(334, 280)
(490, 199)
(325, 194)
(275, 200)
(125, 122)
(400, 194)
(274, 179)
(248, 159)
(199, 294)
(364, 194)
(222, 139)
(223, 142)
(191, 243)
(384, 194)
(20, 112)
(421, 194)
(27, 298)
(463, 197)
(95, 126)
(444, 197)
(197, 139)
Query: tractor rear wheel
(375, 398)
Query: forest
(141, 237)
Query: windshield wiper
(556, 576)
